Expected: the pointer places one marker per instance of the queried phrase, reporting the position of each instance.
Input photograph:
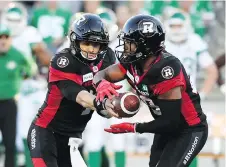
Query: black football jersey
(58, 113)
(165, 73)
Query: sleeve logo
(62, 62)
(167, 72)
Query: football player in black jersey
(159, 78)
(56, 131)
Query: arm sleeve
(168, 122)
(69, 89)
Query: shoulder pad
(167, 68)
(63, 61)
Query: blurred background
(38, 29)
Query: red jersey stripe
(38, 162)
(166, 85)
(122, 68)
(53, 103)
(56, 75)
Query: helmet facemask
(126, 51)
(129, 50)
(75, 45)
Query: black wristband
(96, 85)
(99, 105)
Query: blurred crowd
(38, 29)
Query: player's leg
(118, 145)
(182, 149)
(159, 143)
(119, 141)
(94, 139)
(25, 116)
(9, 131)
(42, 146)
(104, 157)
(68, 154)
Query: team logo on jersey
(167, 72)
(142, 92)
(81, 19)
(95, 69)
(11, 65)
(88, 77)
(145, 88)
(62, 62)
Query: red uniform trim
(53, 103)
(56, 75)
(38, 162)
(122, 68)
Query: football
(126, 104)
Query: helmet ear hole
(72, 37)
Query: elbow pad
(167, 122)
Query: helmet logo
(81, 19)
(147, 27)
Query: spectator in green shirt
(201, 13)
(52, 22)
(13, 66)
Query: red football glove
(106, 88)
(125, 127)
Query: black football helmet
(148, 35)
(88, 27)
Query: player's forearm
(86, 99)
(169, 120)
(112, 74)
(210, 80)
(99, 76)
(159, 125)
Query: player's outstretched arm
(104, 81)
(170, 106)
(73, 91)
(88, 100)
(42, 53)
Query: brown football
(126, 104)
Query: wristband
(96, 85)
(99, 105)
